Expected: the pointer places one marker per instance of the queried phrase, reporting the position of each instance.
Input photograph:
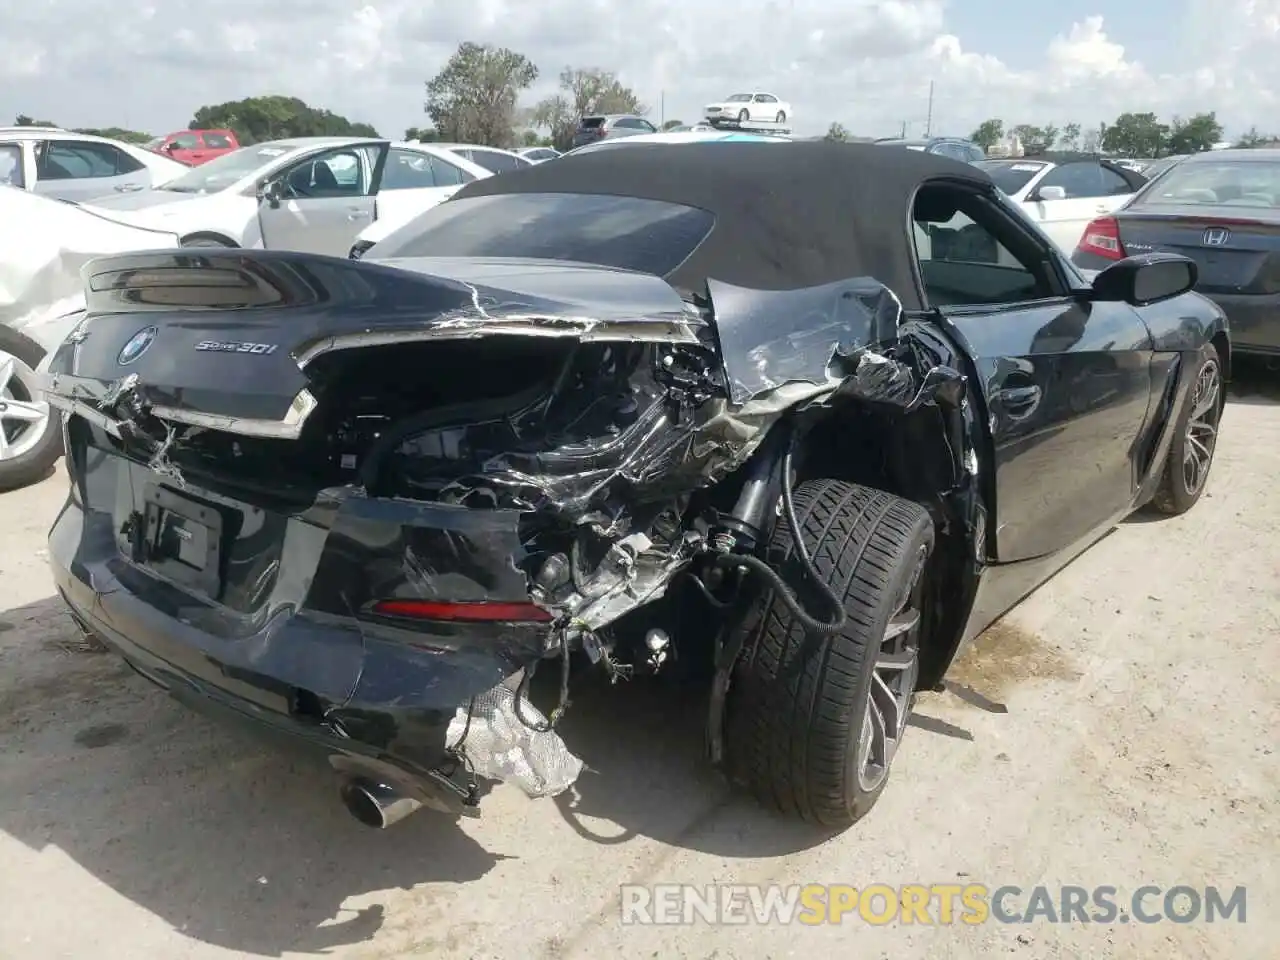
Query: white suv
(73, 166)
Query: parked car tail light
(600, 130)
(482, 612)
(1102, 237)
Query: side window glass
(1078, 180)
(76, 160)
(186, 141)
(495, 162)
(406, 170)
(11, 166)
(216, 141)
(962, 262)
(336, 173)
(448, 174)
(1113, 184)
(125, 163)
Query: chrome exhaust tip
(376, 804)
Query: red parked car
(194, 147)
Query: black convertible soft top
(788, 215)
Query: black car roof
(788, 214)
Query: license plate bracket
(183, 540)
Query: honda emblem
(1216, 236)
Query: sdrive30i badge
(237, 346)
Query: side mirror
(1050, 193)
(1145, 279)
(271, 193)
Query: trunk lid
(234, 341)
(1234, 251)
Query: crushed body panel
(556, 463)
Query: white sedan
(1062, 198)
(43, 245)
(749, 107)
(311, 194)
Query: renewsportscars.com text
(926, 904)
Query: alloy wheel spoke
(8, 366)
(24, 411)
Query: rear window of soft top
(590, 123)
(650, 236)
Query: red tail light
(1102, 237)
(600, 130)
(482, 612)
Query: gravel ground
(1132, 740)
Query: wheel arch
(212, 235)
(910, 456)
(1222, 343)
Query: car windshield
(220, 173)
(651, 236)
(1010, 175)
(1233, 183)
(739, 98)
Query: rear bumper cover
(332, 687)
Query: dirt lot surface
(1139, 746)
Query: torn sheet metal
(769, 338)
(43, 245)
(500, 744)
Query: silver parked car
(66, 165)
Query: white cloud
(865, 63)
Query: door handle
(358, 214)
(1020, 402)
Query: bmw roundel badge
(136, 346)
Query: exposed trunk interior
(361, 394)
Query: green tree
(1035, 139)
(22, 120)
(583, 92)
(422, 134)
(275, 117)
(989, 133)
(1195, 135)
(1070, 137)
(672, 124)
(1135, 135)
(838, 132)
(117, 133)
(473, 99)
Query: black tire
(1176, 495)
(743, 116)
(207, 240)
(781, 117)
(36, 463)
(797, 703)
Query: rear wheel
(1195, 439)
(743, 116)
(781, 117)
(30, 437)
(814, 722)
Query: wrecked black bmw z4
(807, 415)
